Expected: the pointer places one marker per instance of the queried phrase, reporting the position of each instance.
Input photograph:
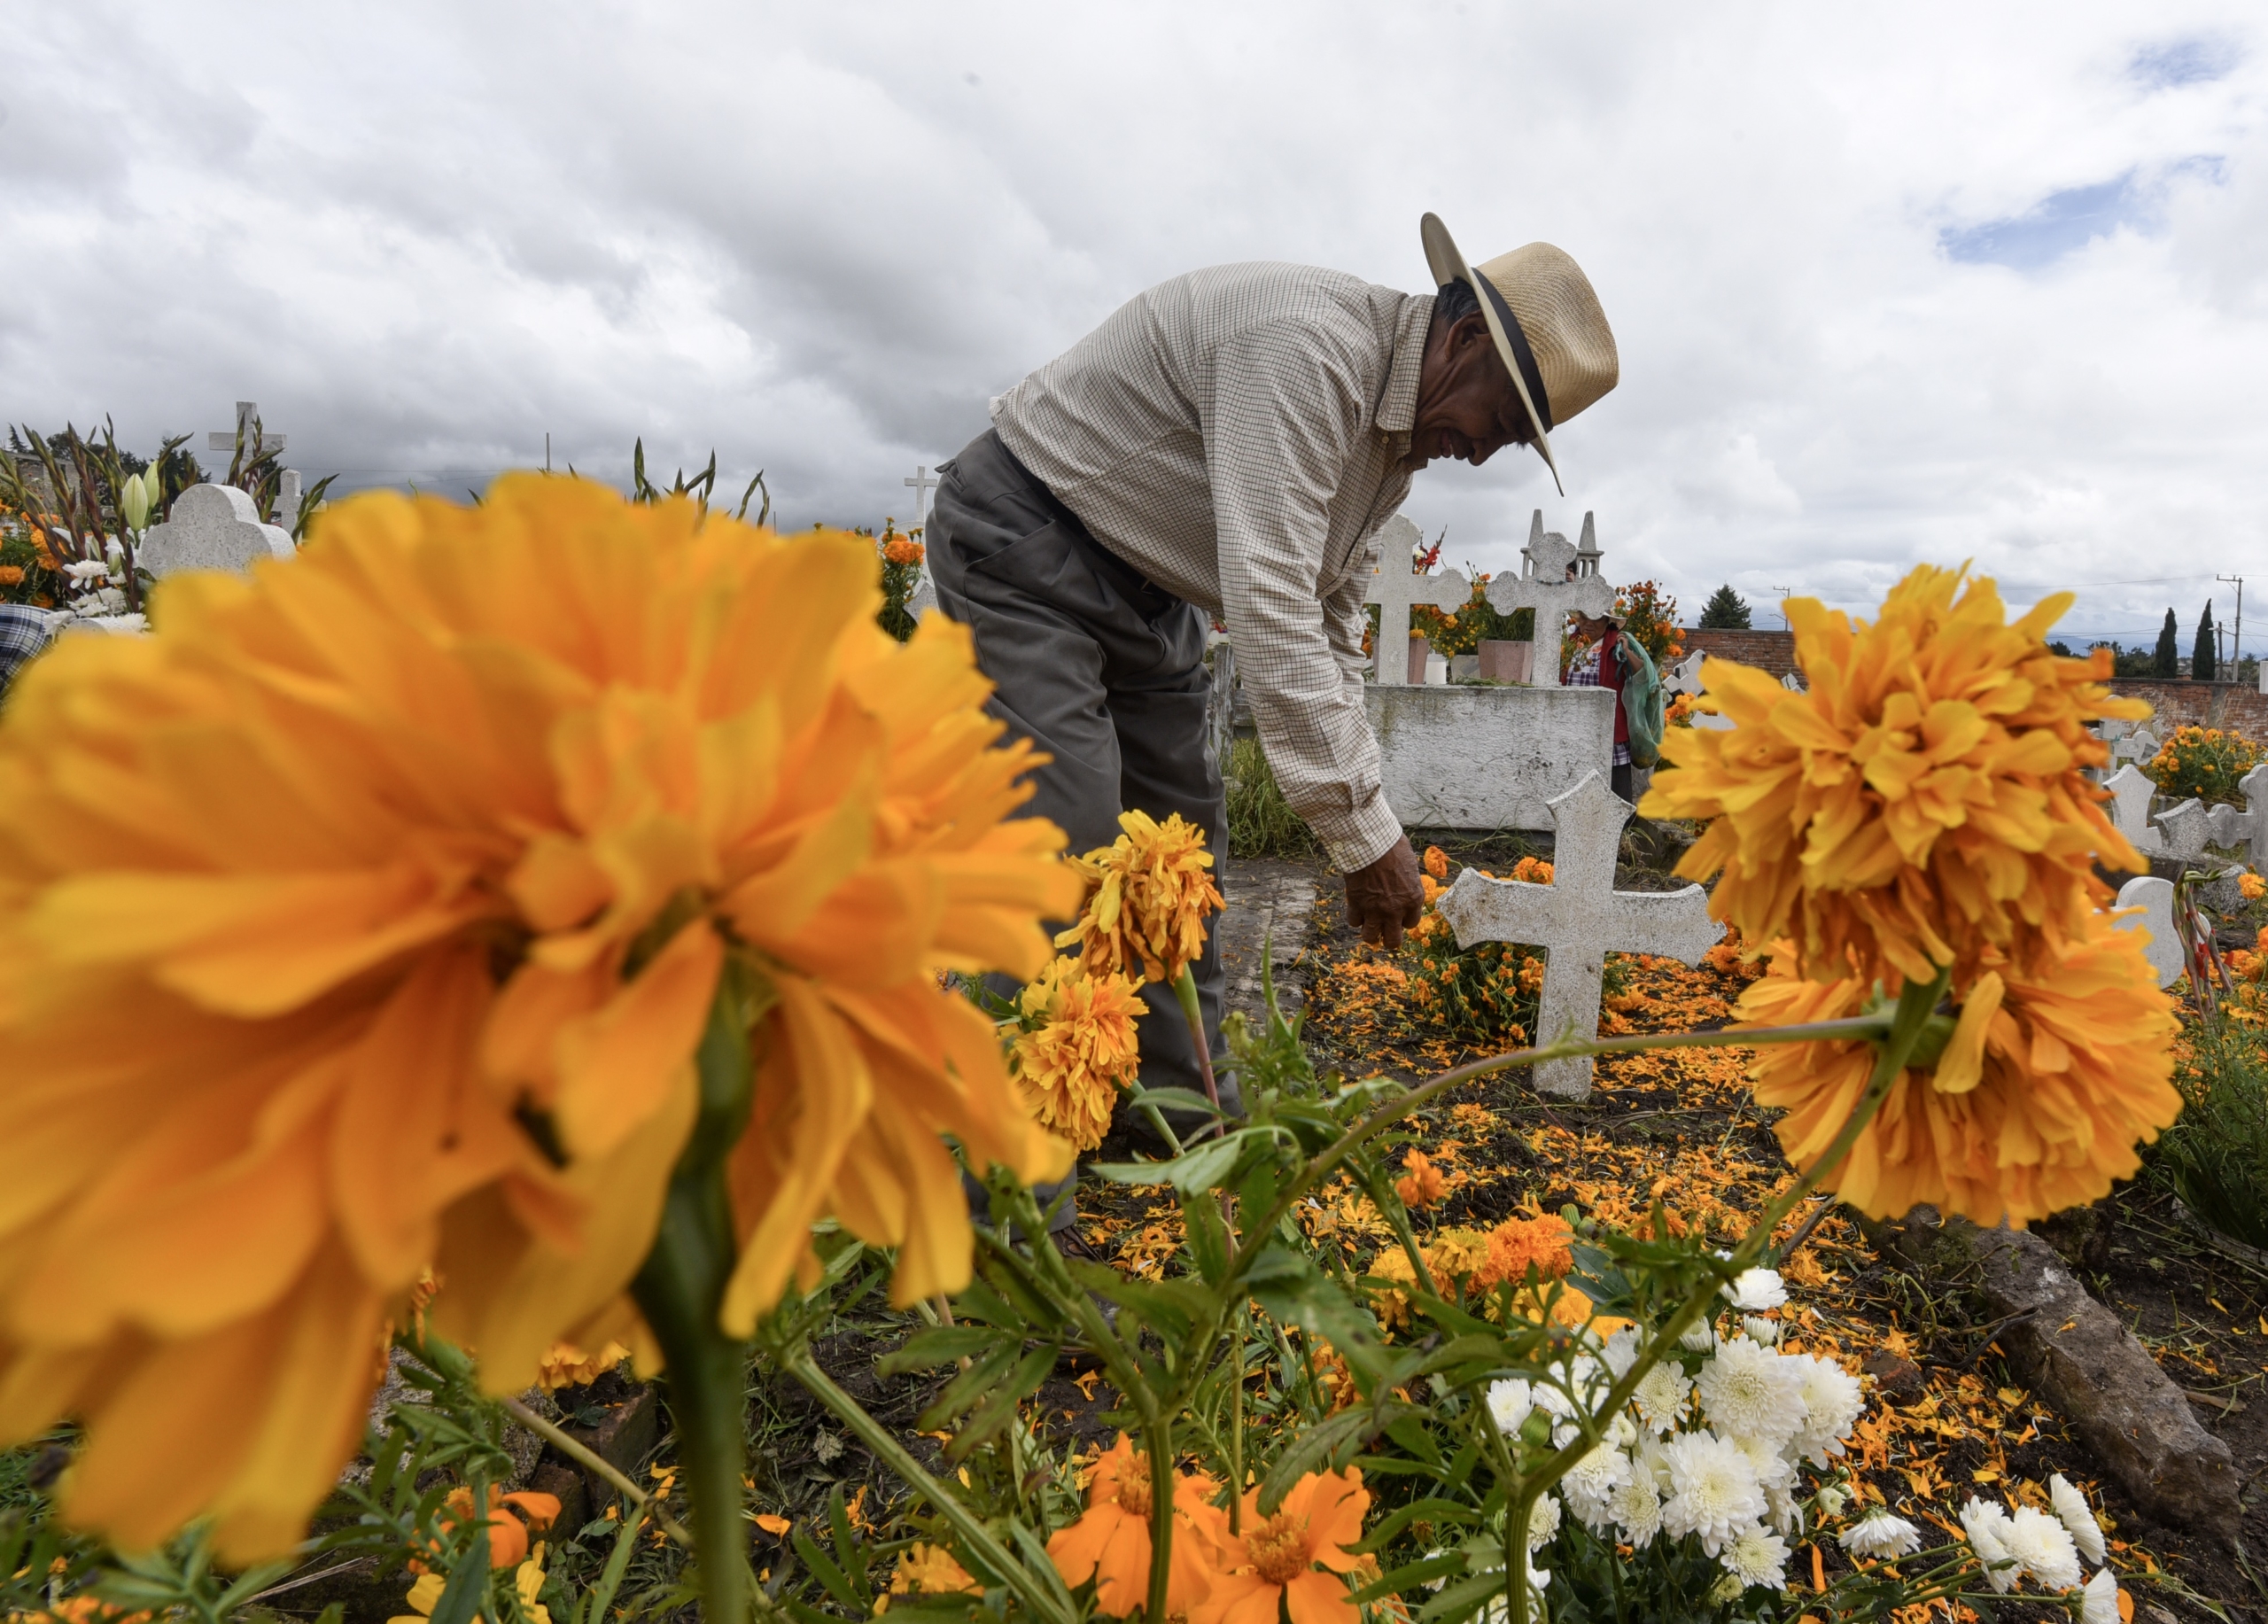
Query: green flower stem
(1185, 987)
(591, 1460)
(1157, 1441)
(975, 1537)
(680, 1288)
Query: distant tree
(2169, 657)
(2063, 649)
(1725, 611)
(2202, 658)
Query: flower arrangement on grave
(1475, 622)
(1649, 617)
(629, 935)
(1485, 993)
(901, 558)
(2207, 762)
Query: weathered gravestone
(1475, 757)
(2154, 898)
(212, 527)
(2244, 829)
(1577, 920)
(1396, 588)
(1556, 579)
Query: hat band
(1529, 373)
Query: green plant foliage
(1725, 611)
(2215, 1154)
(1260, 822)
(2209, 762)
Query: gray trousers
(1102, 671)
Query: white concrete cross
(1577, 920)
(1685, 678)
(1556, 580)
(2131, 793)
(2136, 745)
(2244, 828)
(1396, 588)
(259, 444)
(922, 483)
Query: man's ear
(1471, 328)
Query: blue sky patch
(2173, 63)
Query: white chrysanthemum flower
(1754, 1290)
(1763, 1331)
(1878, 1534)
(2078, 1517)
(1832, 1400)
(2041, 1544)
(1622, 1351)
(1660, 1396)
(1636, 1508)
(1543, 1522)
(1699, 1337)
(1782, 1511)
(1726, 1590)
(1774, 1470)
(1713, 1492)
(1592, 1480)
(1757, 1557)
(1511, 1401)
(2098, 1602)
(1986, 1524)
(1751, 1392)
(1553, 1402)
(1831, 1499)
(86, 570)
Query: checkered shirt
(1236, 435)
(24, 632)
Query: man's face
(1466, 406)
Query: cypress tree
(1725, 611)
(2168, 651)
(2202, 657)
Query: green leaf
(1312, 1447)
(846, 1546)
(1432, 1509)
(941, 1345)
(999, 1408)
(1205, 1167)
(1289, 1286)
(467, 1586)
(832, 1577)
(1208, 1235)
(1410, 1575)
(971, 1384)
(1457, 1601)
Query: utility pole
(2236, 642)
(1785, 593)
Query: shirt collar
(1398, 403)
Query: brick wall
(2184, 703)
(1772, 651)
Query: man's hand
(1384, 898)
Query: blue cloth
(24, 632)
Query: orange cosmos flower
(1150, 894)
(366, 918)
(1924, 802)
(1073, 1065)
(1110, 1543)
(1294, 1559)
(2050, 1082)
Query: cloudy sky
(1904, 283)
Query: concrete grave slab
(1473, 757)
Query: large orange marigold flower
(1297, 1558)
(1922, 803)
(366, 918)
(1150, 894)
(1084, 1050)
(1110, 1543)
(2037, 1104)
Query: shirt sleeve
(1286, 410)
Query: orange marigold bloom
(1437, 862)
(1545, 1243)
(1073, 1065)
(902, 550)
(2251, 886)
(1923, 803)
(2037, 1104)
(416, 860)
(567, 1365)
(1149, 896)
(1295, 1559)
(1421, 1184)
(1110, 1543)
(927, 1570)
(11, 575)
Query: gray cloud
(1951, 283)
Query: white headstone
(1556, 580)
(2183, 829)
(924, 598)
(2131, 794)
(1396, 588)
(1577, 920)
(212, 527)
(2244, 828)
(2154, 898)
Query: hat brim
(1448, 264)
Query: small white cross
(1577, 920)
(922, 483)
(1556, 580)
(1396, 588)
(2245, 828)
(2131, 791)
(258, 442)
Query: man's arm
(1283, 423)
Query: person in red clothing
(1597, 663)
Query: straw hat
(1547, 324)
